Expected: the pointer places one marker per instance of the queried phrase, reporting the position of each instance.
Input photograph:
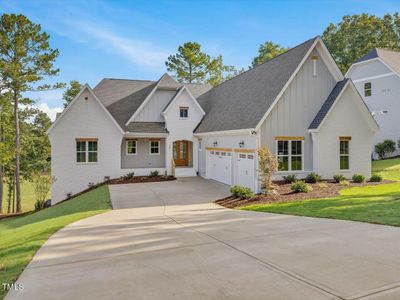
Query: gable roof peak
(167, 82)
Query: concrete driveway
(171, 243)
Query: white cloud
(50, 111)
(137, 51)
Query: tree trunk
(1, 188)
(17, 153)
(1, 175)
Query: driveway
(167, 241)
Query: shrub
(358, 178)
(267, 166)
(338, 178)
(301, 187)
(344, 182)
(41, 187)
(241, 192)
(153, 174)
(313, 178)
(128, 176)
(376, 178)
(322, 185)
(290, 178)
(385, 148)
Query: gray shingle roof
(241, 102)
(390, 57)
(123, 97)
(328, 104)
(124, 108)
(147, 127)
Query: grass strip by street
(21, 237)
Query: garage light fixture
(215, 143)
(241, 144)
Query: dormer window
(183, 112)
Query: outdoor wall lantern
(241, 144)
(215, 143)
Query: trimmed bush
(376, 178)
(345, 182)
(358, 178)
(313, 178)
(290, 178)
(241, 192)
(301, 187)
(153, 174)
(338, 178)
(128, 176)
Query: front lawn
(21, 237)
(387, 168)
(375, 204)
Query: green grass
(21, 237)
(388, 168)
(374, 204)
(27, 197)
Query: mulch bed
(141, 179)
(324, 189)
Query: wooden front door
(181, 153)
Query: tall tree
(191, 64)
(72, 90)
(267, 51)
(354, 36)
(6, 140)
(25, 59)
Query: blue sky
(132, 39)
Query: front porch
(182, 159)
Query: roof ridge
(259, 65)
(108, 78)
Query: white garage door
(219, 166)
(245, 169)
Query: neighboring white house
(298, 104)
(376, 76)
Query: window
(314, 59)
(344, 153)
(131, 147)
(154, 147)
(86, 151)
(184, 112)
(290, 155)
(367, 89)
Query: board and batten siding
(142, 158)
(298, 106)
(151, 112)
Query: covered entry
(182, 153)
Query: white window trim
(200, 143)
(159, 147)
(136, 147)
(87, 162)
(187, 109)
(289, 155)
(349, 155)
